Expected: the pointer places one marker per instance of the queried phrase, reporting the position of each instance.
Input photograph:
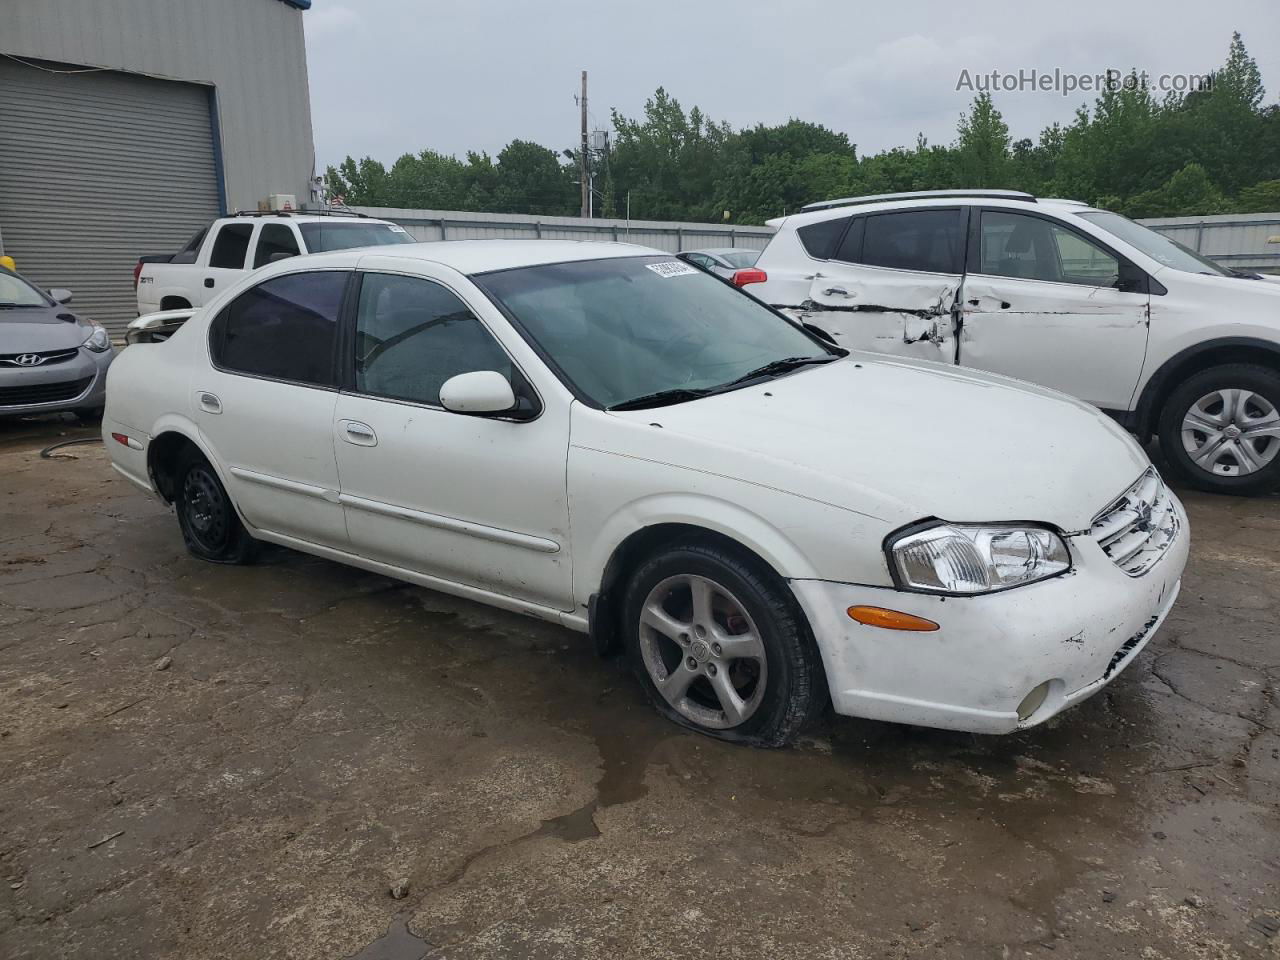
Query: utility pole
(584, 155)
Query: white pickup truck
(220, 253)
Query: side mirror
(1132, 279)
(482, 392)
(60, 295)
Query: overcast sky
(390, 76)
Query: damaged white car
(608, 438)
(1055, 292)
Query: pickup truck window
(189, 253)
(283, 329)
(321, 237)
(275, 238)
(230, 246)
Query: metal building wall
(250, 51)
(1244, 241)
(665, 235)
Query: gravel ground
(200, 761)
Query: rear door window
(285, 328)
(931, 241)
(230, 246)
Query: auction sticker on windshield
(671, 268)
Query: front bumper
(1076, 632)
(75, 384)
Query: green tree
(1188, 193)
(982, 150)
(1260, 198)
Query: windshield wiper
(776, 367)
(662, 398)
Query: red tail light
(750, 275)
(137, 271)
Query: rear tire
(1219, 430)
(210, 526)
(721, 646)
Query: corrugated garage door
(95, 170)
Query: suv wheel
(211, 528)
(1220, 429)
(721, 646)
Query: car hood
(902, 440)
(39, 329)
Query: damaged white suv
(1057, 293)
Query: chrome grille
(46, 357)
(1138, 527)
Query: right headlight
(966, 559)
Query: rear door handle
(361, 434)
(835, 292)
(208, 402)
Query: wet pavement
(200, 761)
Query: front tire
(210, 526)
(721, 646)
(1220, 430)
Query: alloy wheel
(1231, 432)
(703, 651)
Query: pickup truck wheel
(210, 526)
(1220, 430)
(722, 647)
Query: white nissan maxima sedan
(603, 436)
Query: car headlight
(962, 558)
(99, 341)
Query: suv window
(274, 238)
(818, 238)
(412, 335)
(931, 241)
(231, 245)
(1032, 248)
(285, 328)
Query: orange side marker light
(890, 619)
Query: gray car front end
(50, 359)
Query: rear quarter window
(819, 239)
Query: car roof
(1053, 204)
(267, 217)
(484, 256)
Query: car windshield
(1156, 246)
(321, 237)
(624, 329)
(740, 259)
(16, 292)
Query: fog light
(1033, 701)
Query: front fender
(708, 513)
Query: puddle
(398, 943)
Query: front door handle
(361, 434)
(835, 292)
(208, 402)
(208, 281)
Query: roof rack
(300, 213)
(921, 195)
